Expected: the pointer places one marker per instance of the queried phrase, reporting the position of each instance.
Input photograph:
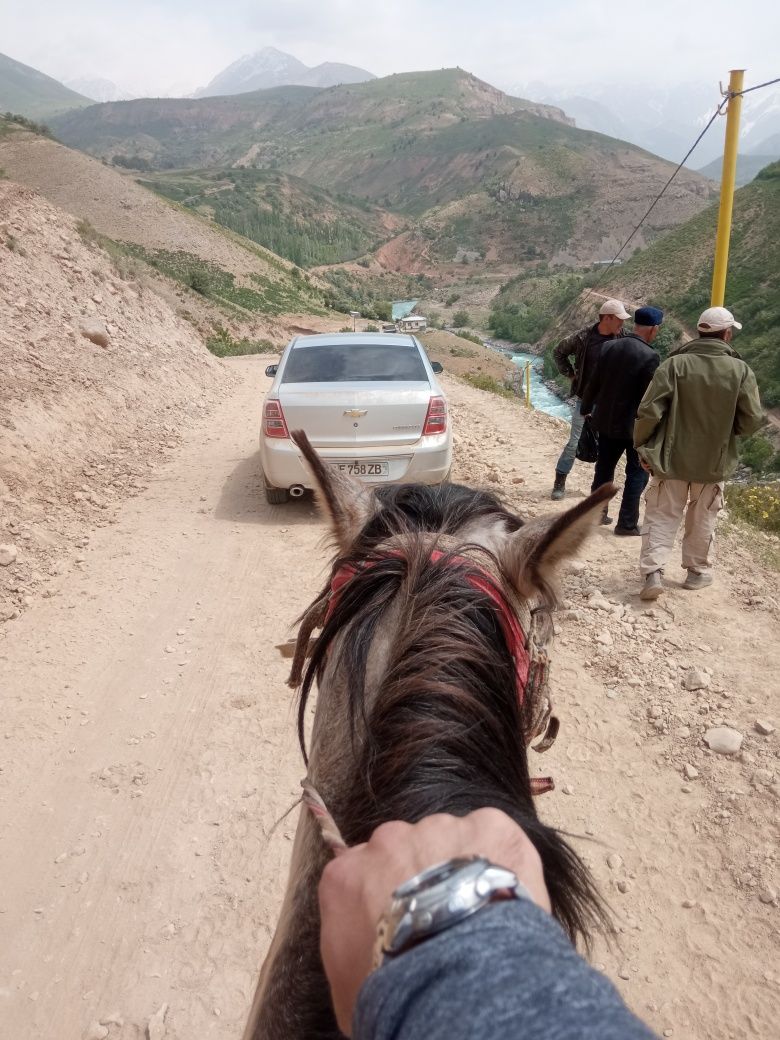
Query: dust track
(149, 749)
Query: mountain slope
(230, 272)
(496, 177)
(270, 67)
(333, 73)
(676, 271)
(281, 124)
(27, 92)
(747, 167)
(289, 216)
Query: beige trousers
(665, 503)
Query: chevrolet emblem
(356, 413)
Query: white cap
(614, 307)
(716, 318)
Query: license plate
(363, 469)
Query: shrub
(758, 504)
(198, 281)
(460, 318)
(28, 124)
(86, 231)
(472, 337)
(222, 344)
(758, 454)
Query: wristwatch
(439, 898)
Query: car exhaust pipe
(297, 491)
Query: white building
(412, 323)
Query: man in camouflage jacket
(574, 357)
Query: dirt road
(149, 748)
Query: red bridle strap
(484, 582)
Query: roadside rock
(695, 679)
(8, 554)
(95, 332)
(723, 740)
(96, 1032)
(156, 1028)
(761, 726)
(691, 772)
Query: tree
(460, 318)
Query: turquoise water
(541, 398)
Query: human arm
(508, 970)
(654, 404)
(749, 415)
(568, 347)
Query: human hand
(645, 467)
(357, 886)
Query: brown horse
(431, 673)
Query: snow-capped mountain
(99, 89)
(664, 120)
(270, 67)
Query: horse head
(431, 669)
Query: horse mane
(444, 732)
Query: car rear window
(354, 362)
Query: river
(542, 399)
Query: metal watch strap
(438, 899)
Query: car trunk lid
(375, 415)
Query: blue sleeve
(506, 973)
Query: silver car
(370, 404)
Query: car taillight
(274, 424)
(436, 419)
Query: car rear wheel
(275, 496)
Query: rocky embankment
(100, 377)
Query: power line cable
(769, 83)
(718, 111)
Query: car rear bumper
(427, 461)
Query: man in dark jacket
(574, 356)
(700, 400)
(615, 387)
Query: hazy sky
(179, 45)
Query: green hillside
(287, 215)
(676, 273)
(478, 171)
(27, 92)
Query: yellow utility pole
(727, 183)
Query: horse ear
(531, 557)
(347, 503)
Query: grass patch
(222, 344)
(264, 296)
(757, 504)
(488, 383)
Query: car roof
(392, 339)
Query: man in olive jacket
(699, 401)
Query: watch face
(434, 876)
